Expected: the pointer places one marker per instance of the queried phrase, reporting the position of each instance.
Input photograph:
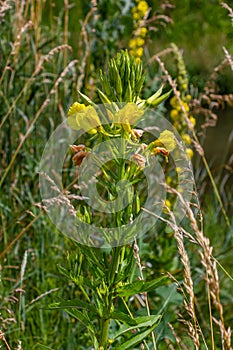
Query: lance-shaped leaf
(103, 97)
(83, 318)
(156, 95)
(138, 338)
(151, 101)
(78, 280)
(86, 99)
(139, 322)
(75, 303)
(42, 347)
(121, 316)
(138, 287)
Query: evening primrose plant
(112, 158)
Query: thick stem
(113, 269)
(104, 333)
(108, 300)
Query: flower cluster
(180, 106)
(122, 84)
(136, 43)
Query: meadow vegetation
(49, 52)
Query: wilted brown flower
(79, 152)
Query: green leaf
(81, 317)
(156, 95)
(75, 303)
(63, 271)
(103, 97)
(136, 339)
(121, 316)
(78, 280)
(95, 260)
(140, 322)
(159, 100)
(86, 99)
(138, 287)
(84, 319)
(43, 347)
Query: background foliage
(48, 50)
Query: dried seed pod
(141, 161)
(79, 152)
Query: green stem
(108, 300)
(117, 256)
(104, 333)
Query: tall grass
(38, 73)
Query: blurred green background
(200, 29)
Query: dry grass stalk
(177, 338)
(84, 45)
(19, 347)
(15, 47)
(2, 336)
(39, 67)
(61, 199)
(210, 121)
(37, 115)
(229, 9)
(4, 7)
(193, 328)
(212, 278)
(157, 19)
(66, 29)
(229, 58)
(43, 295)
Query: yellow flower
(178, 170)
(75, 108)
(173, 101)
(136, 16)
(139, 52)
(167, 139)
(187, 139)
(143, 6)
(83, 117)
(168, 180)
(143, 31)
(189, 153)
(174, 114)
(140, 41)
(176, 124)
(185, 105)
(192, 120)
(133, 44)
(168, 203)
(129, 114)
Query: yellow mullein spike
(174, 114)
(192, 120)
(187, 139)
(189, 153)
(143, 6)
